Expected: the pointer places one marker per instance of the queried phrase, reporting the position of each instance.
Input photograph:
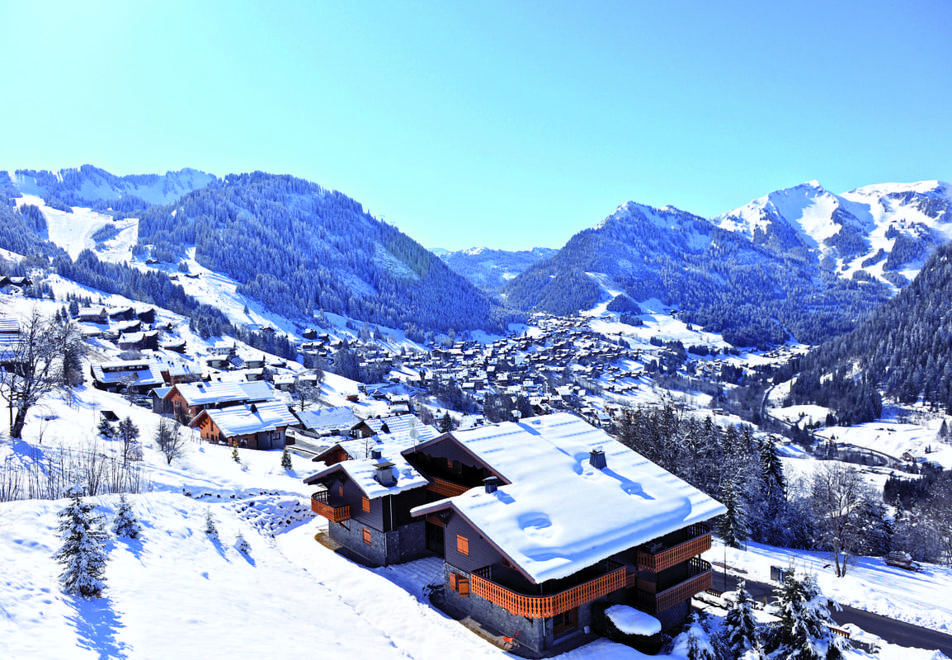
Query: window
(367, 538)
(365, 504)
(462, 545)
(459, 583)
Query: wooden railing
(445, 488)
(320, 504)
(540, 607)
(701, 580)
(697, 541)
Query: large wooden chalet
(536, 521)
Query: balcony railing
(701, 578)
(445, 488)
(540, 607)
(321, 505)
(695, 541)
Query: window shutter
(463, 584)
(454, 581)
(462, 545)
(365, 504)
(367, 538)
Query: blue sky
(506, 124)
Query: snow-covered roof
(328, 419)
(363, 472)
(249, 418)
(135, 372)
(559, 514)
(203, 394)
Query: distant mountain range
(800, 263)
(490, 269)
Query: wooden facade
(541, 607)
(322, 505)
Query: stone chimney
(491, 484)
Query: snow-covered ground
(178, 593)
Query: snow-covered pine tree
(741, 633)
(106, 429)
(732, 526)
(286, 459)
(82, 553)
(695, 643)
(210, 529)
(125, 523)
(242, 545)
(802, 632)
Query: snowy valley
(178, 591)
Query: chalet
(253, 425)
(96, 314)
(136, 375)
(536, 521)
(189, 399)
(122, 314)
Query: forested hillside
(299, 248)
(718, 279)
(904, 348)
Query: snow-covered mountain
(800, 261)
(87, 185)
(884, 231)
(490, 269)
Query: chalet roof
(206, 394)
(362, 473)
(248, 418)
(559, 514)
(135, 372)
(329, 419)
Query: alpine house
(536, 521)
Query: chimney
(491, 484)
(596, 459)
(375, 453)
(384, 474)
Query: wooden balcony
(540, 607)
(445, 487)
(701, 579)
(322, 506)
(674, 549)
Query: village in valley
(487, 466)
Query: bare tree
(836, 495)
(169, 438)
(305, 394)
(33, 366)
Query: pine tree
(741, 633)
(106, 429)
(210, 529)
(126, 524)
(82, 552)
(694, 643)
(732, 526)
(446, 423)
(803, 632)
(286, 459)
(234, 452)
(242, 545)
